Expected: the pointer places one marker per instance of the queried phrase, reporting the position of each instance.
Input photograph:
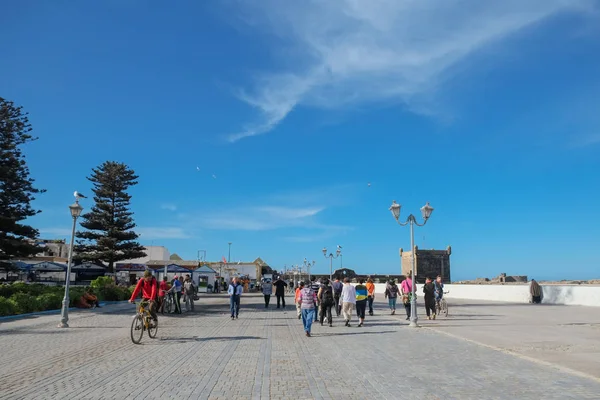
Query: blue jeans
(392, 302)
(308, 315)
(234, 305)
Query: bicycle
(142, 321)
(441, 307)
(169, 302)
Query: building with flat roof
(428, 263)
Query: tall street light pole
(75, 209)
(338, 253)
(307, 265)
(229, 256)
(201, 259)
(426, 211)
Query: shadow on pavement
(206, 339)
(350, 333)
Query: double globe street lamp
(76, 210)
(426, 211)
(307, 264)
(338, 253)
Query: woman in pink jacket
(406, 288)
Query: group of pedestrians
(433, 292)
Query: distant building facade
(428, 263)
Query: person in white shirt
(348, 300)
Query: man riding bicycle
(147, 285)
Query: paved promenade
(264, 355)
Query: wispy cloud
(586, 140)
(349, 51)
(168, 206)
(262, 218)
(162, 233)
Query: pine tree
(110, 237)
(16, 187)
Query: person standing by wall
(280, 286)
(348, 300)
(235, 292)
(536, 292)
(267, 290)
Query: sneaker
(307, 334)
(433, 316)
(330, 325)
(232, 317)
(393, 312)
(360, 324)
(236, 317)
(428, 317)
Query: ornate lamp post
(75, 209)
(426, 211)
(338, 253)
(308, 265)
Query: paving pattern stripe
(55, 377)
(262, 384)
(519, 355)
(229, 351)
(174, 366)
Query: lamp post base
(413, 324)
(63, 325)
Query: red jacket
(148, 289)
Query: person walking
(370, 294)
(308, 299)
(439, 290)
(348, 300)
(429, 298)
(189, 290)
(235, 292)
(391, 292)
(406, 288)
(361, 301)
(315, 285)
(177, 288)
(325, 298)
(163, 289)
(337, 293)
(297, 299)
(280, 286)
(267, 290)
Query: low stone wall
(576, 295)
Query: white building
(160, 253)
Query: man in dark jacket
(429, 290)
(337, 292)
(280, 286)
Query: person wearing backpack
(325, 298)
(391, 293)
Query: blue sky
(488, 110)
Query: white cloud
(262, 218)
(353, 51)
(161, 233)
(170, 207)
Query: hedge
(23, 298)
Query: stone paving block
(264, 355)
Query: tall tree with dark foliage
(109, 236)
(17, 189)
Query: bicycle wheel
(169, 305)
(152, 328)
(444, 307)
(137, 329)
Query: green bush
(7, 307)
(49, 301)
(75, 294)
(25, 303)
(102, 281)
